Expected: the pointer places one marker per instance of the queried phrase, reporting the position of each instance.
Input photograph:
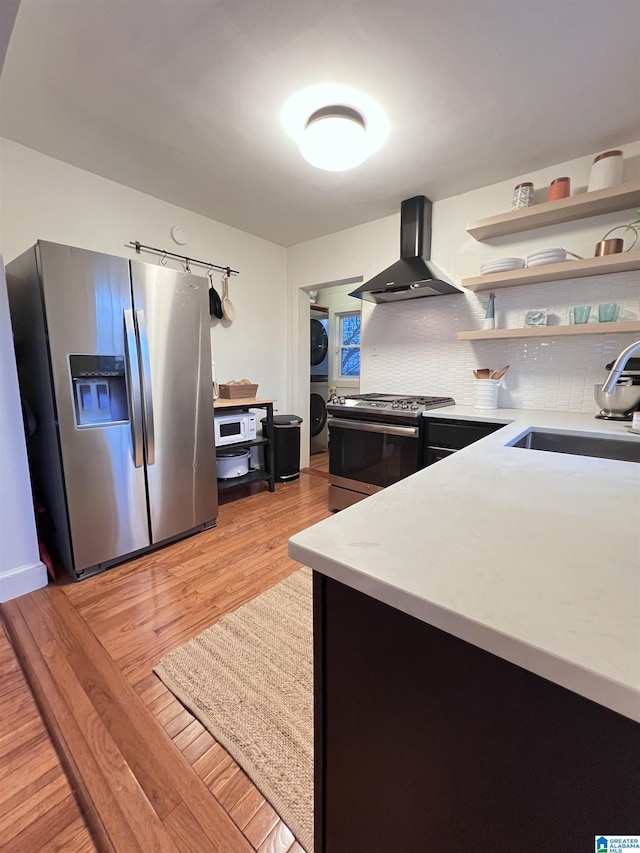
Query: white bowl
(501, 267)
(558, 250)
(561, 255)
(539, 262)
(516, 262)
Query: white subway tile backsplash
(423, 356)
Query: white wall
(43, 198)
(418, 350)
(20, 568)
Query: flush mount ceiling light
(336, 127)
(335, 139)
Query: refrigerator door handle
(147, 396)
(133, 385)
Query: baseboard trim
(20, 581)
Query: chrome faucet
(619, 366)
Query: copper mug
(615, 245)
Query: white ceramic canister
(522, 196)
(606, 171)
(486, 393)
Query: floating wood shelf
(622, 262)
(550, 331)
(581, 206)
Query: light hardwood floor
(36, 800)
(148, 775)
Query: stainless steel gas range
(374, 441)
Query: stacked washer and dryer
(319, 381)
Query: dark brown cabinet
(442, 437)
(425, 742)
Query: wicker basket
(238, 392)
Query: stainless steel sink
(581, 445)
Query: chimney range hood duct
(414, 275)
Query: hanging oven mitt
(215, 303)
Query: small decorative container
(522, 196)
(608, 312)
(490, 316)
(535, 317)
(606, 171)
(559, 188)
(237, 392)
(581, 314)
(485, 394)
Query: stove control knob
(395, 405)
(414, 406)
(404, 406)
(341, 401)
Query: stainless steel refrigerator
(114, 360)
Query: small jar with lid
(522, 196)
(606, 171)
(559, 188)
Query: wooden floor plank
(149, 688)
(144, 746)
(198, 747)
(72, 839)
(40, 801)
(120, 623)
(26, 790)
(261, 824)
(99, 804)
(178, 723)
(125, 791)
(46, 825)
(182, 740)
(236, 787)
(279, 840)
(246, 807)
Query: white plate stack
(546, 256)
(502, 265)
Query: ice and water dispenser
(99, 389)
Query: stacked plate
(546, 256)
(502, 265)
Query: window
(349, 345)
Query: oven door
(368, 456)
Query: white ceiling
(182, 98)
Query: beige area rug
(249, 680)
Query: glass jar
(606, 171)
(522, 195)
(559, 188)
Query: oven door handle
(367, 426)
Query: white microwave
(234, 427)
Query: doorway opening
(334, 348)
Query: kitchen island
(477, 651)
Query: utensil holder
(486, 393)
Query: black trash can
(286, 446)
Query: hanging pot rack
(164, 254)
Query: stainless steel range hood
(414, 275)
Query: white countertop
(532, 556)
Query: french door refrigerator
(114, 360)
